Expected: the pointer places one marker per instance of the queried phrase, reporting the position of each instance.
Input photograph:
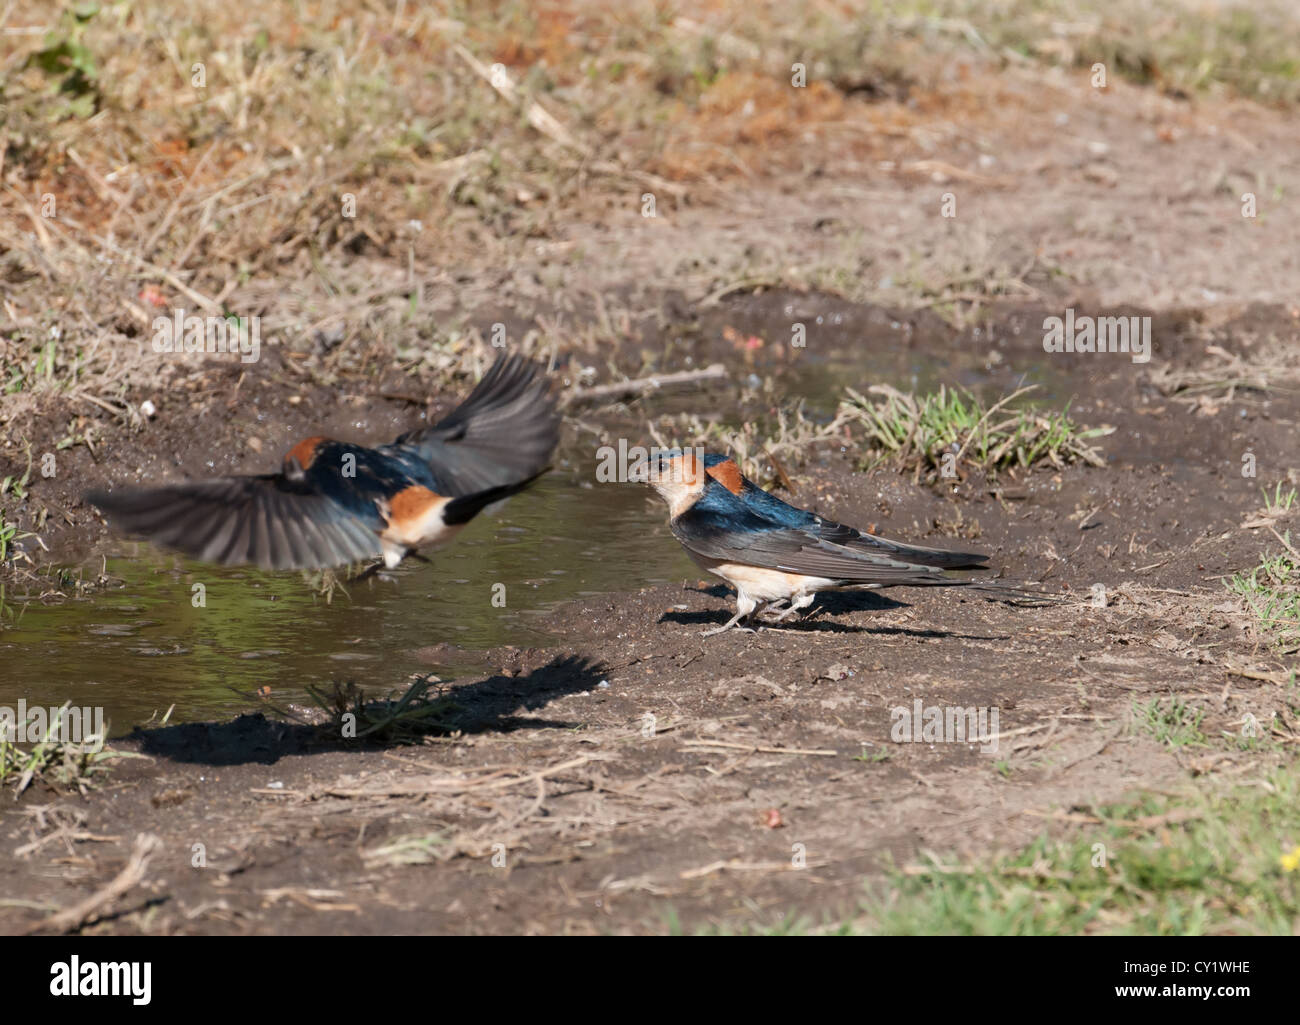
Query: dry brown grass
(230, 197)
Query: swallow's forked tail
(502, 434)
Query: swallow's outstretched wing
(504, 431)
(281, 522)
(270, 521)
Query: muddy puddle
(142, 645)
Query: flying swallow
(333, 503)
(772, 552)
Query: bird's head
(677, 474)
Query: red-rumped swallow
(335, 503)
(773, 553)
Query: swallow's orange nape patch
(410, 504)
(728, 475)
(687, 469)
(305, 451)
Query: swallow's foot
(368, 572)
(768, 610)
(801, 603)
(724, 629)
(730, 624)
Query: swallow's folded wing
(741, 536)
(870, 544)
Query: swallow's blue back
(762, 504)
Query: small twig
(1015, 733)
(73, 918)
(737, 286)
(743, 866)
(1114, 735)
(698, 655)
(75, 836)
(641, 385)
(1254, 674)
(753, 748)
(1287, 544)
(537, 115)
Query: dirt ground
(761, 749)
(635, 777)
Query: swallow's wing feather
(503, 433)
(769, 507)
(872, 545)
(270, 521)
(739, 535)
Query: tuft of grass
(1173, 722)
(1270, 591)
(1278, 504)
(402, 719)
(946, 431)
(942, 434)
(59, 762)
(9, 533)
(18, 485)
(67, 81)
(1204, 862)
(419, 849)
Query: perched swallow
(334, 503)
(773, 553)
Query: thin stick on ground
(73, 918)
(754, 748)
(642, 385)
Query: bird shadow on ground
(818, 618)
(480, 706)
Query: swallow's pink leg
(795, 606)
(772, 606)
(730, 623)
(744, 607)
